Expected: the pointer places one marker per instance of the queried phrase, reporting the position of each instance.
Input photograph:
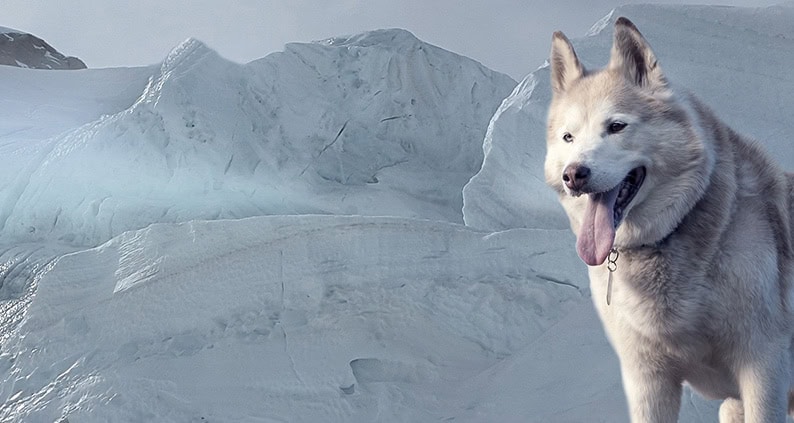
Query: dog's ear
(633, 57)
(565, 66)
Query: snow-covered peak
(602, 24)
(706, 20)
(189, 59)
(386, 38)
(774, 21)
(24, 50)
(6, 30)
(191, 47)
(379, 124)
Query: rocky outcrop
(28, 51)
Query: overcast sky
(510, 36)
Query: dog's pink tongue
(597, 233)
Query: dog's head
(618, 143)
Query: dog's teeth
(622, 194)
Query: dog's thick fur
(702, 292)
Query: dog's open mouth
(603, 215)
(628, 189)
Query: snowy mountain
(25, 50)
(377, 124)
(349, 316)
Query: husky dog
(693, 222)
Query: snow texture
(305, 319)
(203, 241)
(378, 124)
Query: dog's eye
(616, 126)
(567, 137)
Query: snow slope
(319, 317)
(736, 59)
(39, 105)
(283, 319)
(377, 124)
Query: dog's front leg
(764, 386)
(654, 395)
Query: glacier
(351, 230)
(325, 317)
(379, 124)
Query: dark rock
(28, 51)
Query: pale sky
(510, 36)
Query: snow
(40, 105)
(601, 24)
(306, 309)
(344, 128)
(284, 240)
(514, 149)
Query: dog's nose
(575, 176)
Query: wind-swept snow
(510, 190)
(286, 318)
(379, 124)
(323, 318)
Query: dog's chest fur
(681, 303)
(651, 304)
